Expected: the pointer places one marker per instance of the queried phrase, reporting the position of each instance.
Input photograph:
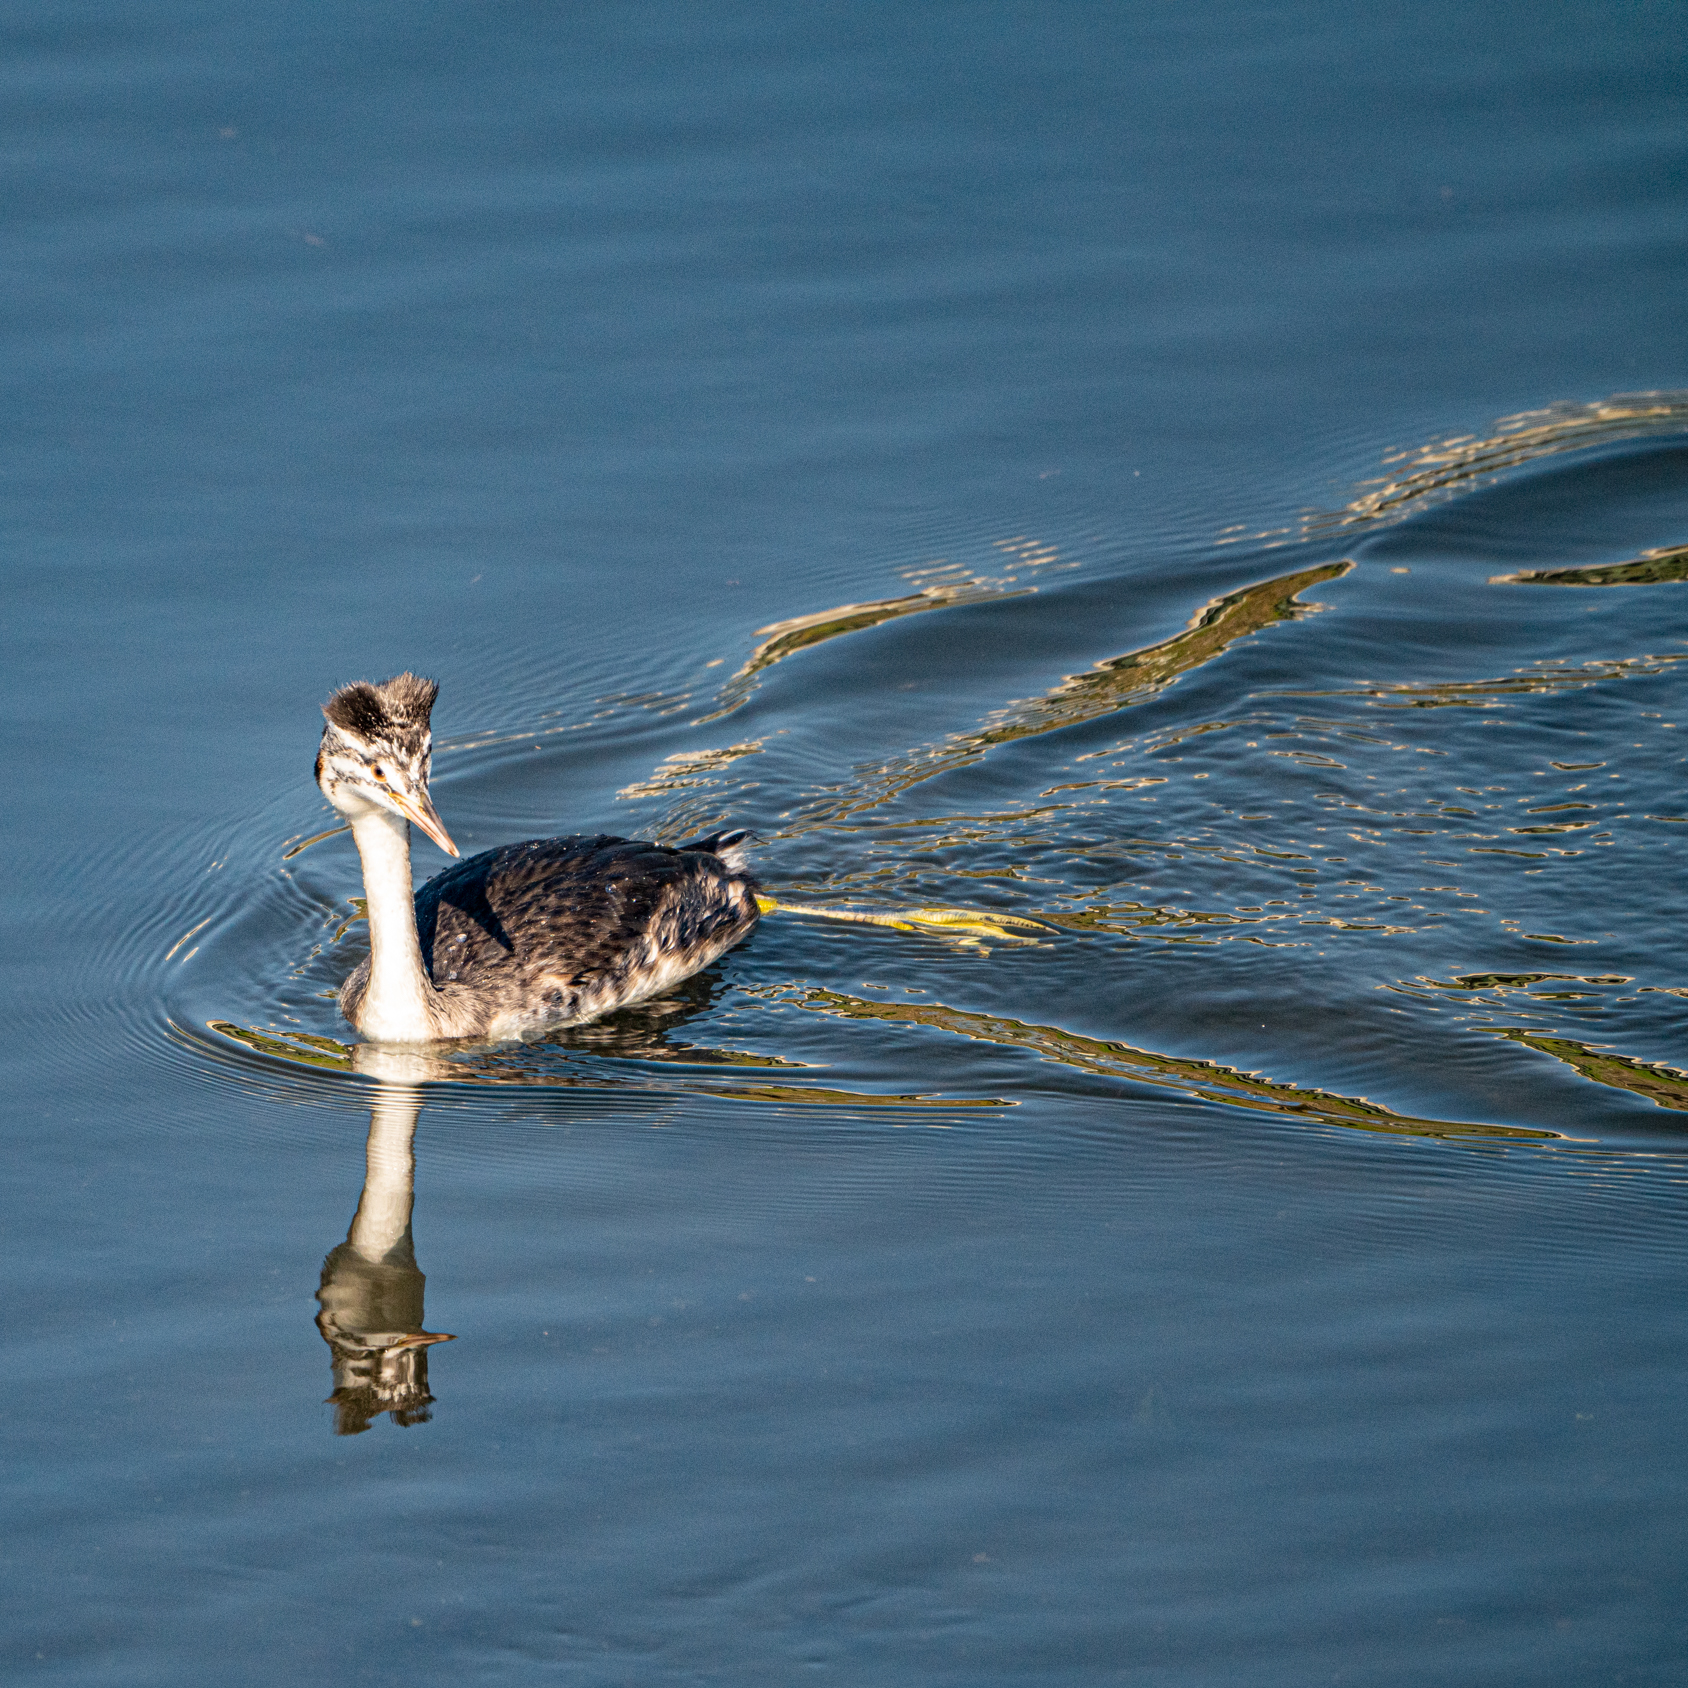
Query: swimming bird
(517, 940)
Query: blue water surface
(1171, 525)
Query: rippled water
(1172, 531)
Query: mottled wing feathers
(574, 914)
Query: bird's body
(519, 939)
(560, 930)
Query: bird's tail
(728, 845)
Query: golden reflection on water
(1202, 1080)
(1659, 566)
(372, 1264)
(547, 1064)
(781, 639)
(1667, 1086)
(1538, 678)
(967, 927)
(1444, 468)
(1112, 685)
(1090, 912)
(687, 769)
(298, 846)
(941, 586)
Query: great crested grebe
(518, 939)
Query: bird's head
(376, 750)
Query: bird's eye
(381, 774)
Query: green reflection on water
(1651, 568)
(800, 632)
(1444, 468)
(543, 1064)
(1115, 684)
(1204, 1080)
(1664, 1085)
(1540, 678)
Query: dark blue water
(1172, 527)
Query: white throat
(396, 1005)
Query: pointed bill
(420, 811)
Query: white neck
(383, 1216)
(396, 1005)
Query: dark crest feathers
(395, 708)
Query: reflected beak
(421, 1339)
(419, 810)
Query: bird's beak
(421, 1339)
(419, 809)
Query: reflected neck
(397, 1003)
(383, 1216)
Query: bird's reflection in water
(371, 1290)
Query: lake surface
(1171, 525)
